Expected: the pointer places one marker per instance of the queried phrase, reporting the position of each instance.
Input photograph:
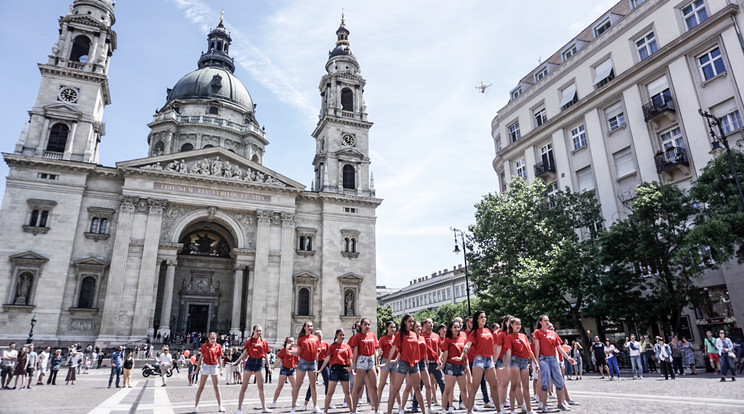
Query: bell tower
(342, 135)
(66, 120)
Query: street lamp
(31, 332)
(714, 121)
(464, 257)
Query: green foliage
(384, 314)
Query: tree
(384, 314)
(532, 253)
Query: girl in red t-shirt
(307, 350)
(407, 362)
(364, 362)
(423, 368)
(480, 342)
(453, 364)
(338, 357)
(503, 375)
(256, 351)
(384, 346)
(211, 360)
(288, 361)
(517, 358)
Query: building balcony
(660, 104)
(670, 160)
(545, 169)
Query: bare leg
(395, 383)
(415, 380)
(202, 381)
(244, 386)
(297, 386)
(279, 387)
(216, 385)
(494, 385)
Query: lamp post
(465, 259)
(31, 332)
(714, 121)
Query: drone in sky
(483, 87)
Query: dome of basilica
(212, 82)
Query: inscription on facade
(190, 189)
(81, 325)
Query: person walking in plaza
(709, 344)
(547, 343)
(454, 365)
(385, 344)
(288, 362)
(517, 360)
(339, 357)
(43, 364)
(165, 359)
(256, 353)
(20, 367)
(116, 361)
(54, 365)
(407, 362)
(33, 365)
(578, 366)
(307, 350)
(644, 358)
(664, 356)
(725, 351)
(600, 358)
(433, 351)
(9, 358)
(128, 366)
(634, 351)
(688, 356)
(322, 350)
(611, 358)
(364, 361)
(210, 366)
(481, 344)
(650, 350)
(676, 345)
(73, 361)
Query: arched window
(309, 243)
(80, 48)
(214, 110)
(43, 218)
(219, 45)
(23, 289)
(208, 146)
(349, 176)
(186, 147)
(94, 225)
(347, 100)
(159, 148)
(58, 138)
(87, 292)
(347, 244)
(302, 243)
(353, 245)
(34, 218)
(104, 226)
(303, 302)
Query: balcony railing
(544, 167)
(658, 105)
(53, 155)
(670, 158)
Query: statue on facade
(349, 303)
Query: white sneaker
(524, 407)
(238, 412)
(451, 410)
(264, 411)
(477, 409)
(572, 402)
(195, 410)
(292, 411)
(331, 407)
(221, 409)
(304, 407)
(344, 405)
(273, 404)
(317, 410)
(489, 405)
(402, 411)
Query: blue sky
(431, 148)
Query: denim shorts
(405, 368)
(455, 370)
(289, 372)
(384, 365)
(365, 362)
(422, 366)
(210, 369)
(499, 363)
(521, 363)
(253, 364)
(433, 367)
(338, 373)
(483, 362)
(306, 365)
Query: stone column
(261, 273)
(119, 258)
(148, 270)
(237, 296)
(69, 145)
(41, 145)
(165, 312)
(284, 307)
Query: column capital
(156, 206)
(264, 216)
(239, 267)
(288, 219)
(128, 204)
(171, 262)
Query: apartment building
(429, 292)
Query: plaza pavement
(91, 395)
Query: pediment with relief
(350, 152)
(62, 111)
(213, 163)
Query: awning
(602, 71)
(568, 94)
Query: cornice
(340, 120)
(323, 196)
(13, 159)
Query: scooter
(148, 370)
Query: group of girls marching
(415, 353)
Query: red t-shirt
(340, 354)
(454, 347)
(385, 343)
(289, 360)
(308, 347)
(566, 348)
(408, 346)
(322, 350)
(549, 341)
(498, 339)
(484, 344)
(433, 342)
(366, 343)
(422, 348)
(211, 353)
(518, 343)
(257, 348)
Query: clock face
(348, 140)
(68, 95)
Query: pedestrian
(209, 365)
(503, 375)
(9, 358)
(364, 361)
(54, 366)
(256, 353)
(634, 351)
(227, 363)
(20, 367)
(407, 362)
(73, 361)
(94, 357)
(116, 361)
(385, 344)
(688, 355)
(288, 362)
(128, 366)
(611, 358)
(325, 372)
(100, 358)
(578, 366)
(664, 356)
(433, 352)
(650, 350)
(165, 359)
(725, 351)
(547, 343)
(339, 358)
(676, 345)
(307, 350)
(480, 339)
(453, 362)
(33, 364)
(43, 364)
(600, 358)
(644, 357)
(517, 361)
(709, 344)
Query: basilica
(198, 235)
